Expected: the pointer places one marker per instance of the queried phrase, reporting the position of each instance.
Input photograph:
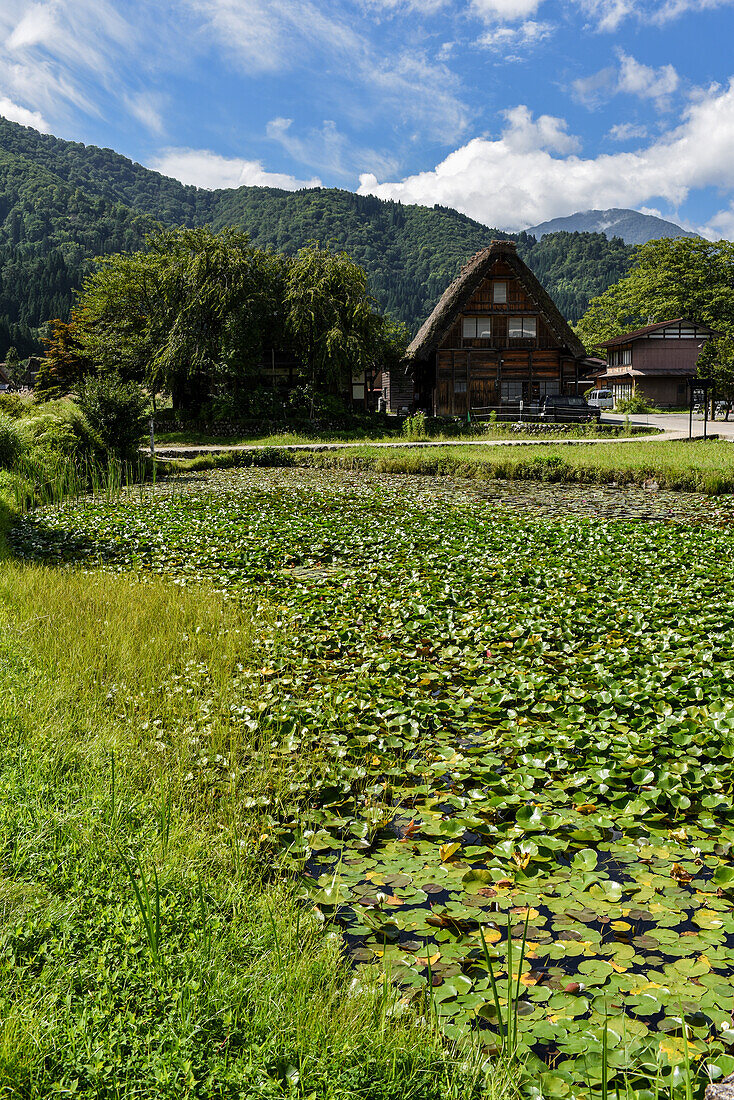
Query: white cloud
(631, 77)
(419, 92)
(721, 226)
(523, 133)
(516, 180)
(627, 131)
(609, 14)
(14, 113)
(269, 35)
(274, 35)
(504, 11)
(203, 168)
(327, 148)
(48, 50)
(644, 81)
(519, 38)
(147, 107)
(401, 7)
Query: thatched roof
(460, 291)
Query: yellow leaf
(446, 851)
(490, 935)
(617, 967)
(375, 761)
(621, 925)
(424, 959)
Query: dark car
(561, 408)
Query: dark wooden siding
(469, 372)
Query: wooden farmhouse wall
(504, 367)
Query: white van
(600, 399)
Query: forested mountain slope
(62, 203)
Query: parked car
(600, 399)
(562, 408)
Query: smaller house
(4, 378)
(655, 362)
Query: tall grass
(144, 952)
(33, 482)
(706, 467)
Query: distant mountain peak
(632, 226)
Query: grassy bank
(706, 467)
(449, 433)
(147, 949)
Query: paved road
(674, 425)
(678, 423)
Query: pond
(507, 714)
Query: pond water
(504, 706)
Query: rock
(721, 1090)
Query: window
(499, 293)
(460, 387)
(522, 328)
(476, 328)
(626, 357)
(511, 392)
(548, 389)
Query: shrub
(416, 427)
(12, 442)
(637, 403)
(13, 405)
(117, 412)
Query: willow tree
(332, 321)
(190, 314)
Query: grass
(148, 949)
(706, 467)
(451, 433)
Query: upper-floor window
(522, 328)
(476, 328)
(499, 292)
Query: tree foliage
(195, 311)
(62, 204)
(687, 277)
(331, 317)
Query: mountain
(63, 203)
(632, 226)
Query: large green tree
(332, 320)
(688, 277)
(190, 314)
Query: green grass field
(450, 434)
(150, 947)
(706, 467)
(381, 712)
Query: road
(677, 423)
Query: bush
(13, 405)
(637, 403)
(12, 443)
(60, 427)
(117, 412)
(416, 427)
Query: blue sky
(513, 111)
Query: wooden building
(495, 338)
(655, 361)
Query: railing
(518, 412)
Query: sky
(512, 111)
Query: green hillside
(62, 203)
